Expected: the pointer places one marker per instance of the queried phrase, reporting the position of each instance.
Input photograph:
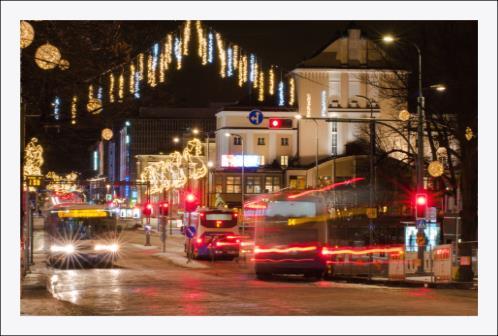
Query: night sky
(92, 47)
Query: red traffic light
(164, 208)
(147, 210)
(279, 123)
(191, 202)
(420, 206)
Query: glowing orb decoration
(404, 115)
(63, 64)
(47, 56)
(435, 169)
(469, 134)
(27, 34)
(94, 106)
(107, 134)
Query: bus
(216, 234)
(81, 234)
(290, 234)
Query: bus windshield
(83, 228)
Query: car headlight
(110, 247)
(68, 248)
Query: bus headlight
(68, 249)
(111, 247)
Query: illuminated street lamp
(176, 140)
(438, 87)
(388, 39)
(195, 131)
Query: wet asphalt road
(144, 284)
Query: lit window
(233, 184)
(284, 141)
(237, 141)
(261, 141)
(253, 185)
(284, 160)
(218, 184)
(272, 183)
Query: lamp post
(299, 118)
(242, 177)
(372, 167)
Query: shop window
(253, 184)
(272, 183)
(218, 184)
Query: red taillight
(218, 244)
(201, 214)
(237, 241)
(235, 214)
(324, 251)
(199, 240)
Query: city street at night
(144, 283)
(246, 167)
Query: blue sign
(255, 117)
(190, 231)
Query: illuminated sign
(431, 237)
(82, 213)
(236, 160)
(95, 160)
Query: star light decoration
(106, 134)
(435, 169)
(171, 172)
(33, 158)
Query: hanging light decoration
(435, 169)
(150, 71)
(235, 57)
(33, 158)
(47, 56)
(204, 50)
(74, 109)
(168, 50)
(271, 81)
(229, 62)
(99, 93)
(106, 134)
(255, 73)
(261, 95)
(281, 100)
(94, 105)
(200, 37)
(221, 55)
(210, 50)
(131, 88)
(121, 87)
(64, 64)
(141, 60)
(308, 105)
(136, 92)
(323, 103)
(27, 34)
(178, 53)
(292, 91)
(469, 134)
(186, 37)
(162, 70)
(90, 91)
(252, 62)
(111, 88)
(56, 104)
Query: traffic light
(420, 206)
(191, 202)
(147, 210)
(279, 123)
(164, 208)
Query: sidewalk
(411, 281)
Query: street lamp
(298, 117)
(242, 176)
(195, 131)
(420, 112)
(176, 140)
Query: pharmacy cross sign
(255, 117)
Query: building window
(233, 184)
(218, 184)
(262, 160)
(297, 182)
(334, 138)
(237, 141)
(261, 141)
(272, 183)
(253, 185)
(284, 160)
(284, 141)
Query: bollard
(147, 235)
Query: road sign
(432, 214)
(372, 213)
(190, 232)
(108, 197)
(255, 117)
(420, 223)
